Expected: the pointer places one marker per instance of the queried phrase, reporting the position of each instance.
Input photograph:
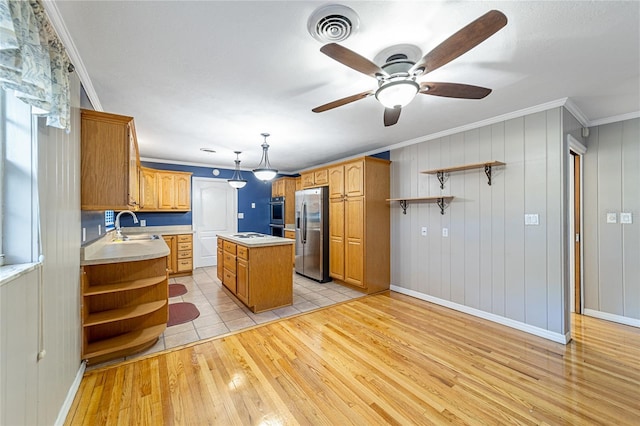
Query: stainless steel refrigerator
(312, 233)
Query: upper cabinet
(110, 162)
(315, 178)
(163, 190)
(286, 187)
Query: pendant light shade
(236, 180)
(264, 171)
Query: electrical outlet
(99, 229)
(84, 234)
(240, 215)
(253, 205)
(626, 218)
(531, 219)
(612, 218)
(143, 222)
(445, 232)
(423, 231)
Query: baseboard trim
(66, 406)
(612, 317)
(536, 331)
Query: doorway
(215, 206)
(576, 151)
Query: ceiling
(217, 74)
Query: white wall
(33, 392)
(612, 250)
(491, 264)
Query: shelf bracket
(403, 204)
(441, 178)
(442, 204)
(487, 171)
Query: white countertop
(105, 250)
(262, 241)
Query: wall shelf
(441, 201)
(444, 172)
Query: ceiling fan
(397, 85)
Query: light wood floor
(383, 359)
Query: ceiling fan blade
(352, 60)
(454, 90)
(461, 42)
(343, 101)
(391, 116)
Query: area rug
(176, 290)
(182, 312)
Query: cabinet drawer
(185, 265)
(184, 254)
(185, 238)
(230, 262)
(184, 246)
(229, 247)
(243, 253)
(229, 280)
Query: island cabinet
(359, 224)
(162, 190)
(260, 276)
(110, 162)
(124, 307)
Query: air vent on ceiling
(333, 23)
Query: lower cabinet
(291, 234)
(260, 276)
(180, 260)
(124, 308)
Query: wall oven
(277, 230)
(276, 207)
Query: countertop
(105, 250)
(263, 241)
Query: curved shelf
(124, 285)
(441, 201)
(441, 173)
(120, 314)
(125, 341)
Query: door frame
(576, 179)
(234, 213)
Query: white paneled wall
(612, 250)
(490, 262)
(33, 392)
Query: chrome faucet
(117, 225)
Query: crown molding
(614, 119)
(61, 29)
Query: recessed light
(213, 151)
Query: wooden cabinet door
(242, 281)
(134, 169)
(220, 265)
(182, 192)
(307, 179)
(336, 182)
(277, 188)
(336, 238)
(166, 190)
(354, 241)
(172, 260)
(321, 177)
(354, 179)
(148, 189)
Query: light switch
(253, 205)
(240, 215)
(626, 218)
(99, 229)
(143, 222)
(445, 232)
(423, 231)
(612, 218)
(84, 234)
(531, 219)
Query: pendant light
(236, 180)
(264, 171)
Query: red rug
(182, 312)
(176, 290)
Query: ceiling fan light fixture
(236, 180)
(397, 93)
(264, 171)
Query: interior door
(215, 206)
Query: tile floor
(221, 312)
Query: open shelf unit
(441, 201)
(124, 307)
(442, 173)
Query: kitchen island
(257, 269)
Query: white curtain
(33, 61)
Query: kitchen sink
(140, 237)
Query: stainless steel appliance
(276, 206)
(277, 230)
(312, 233)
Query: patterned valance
(33, 61)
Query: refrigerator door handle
(304, 223)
